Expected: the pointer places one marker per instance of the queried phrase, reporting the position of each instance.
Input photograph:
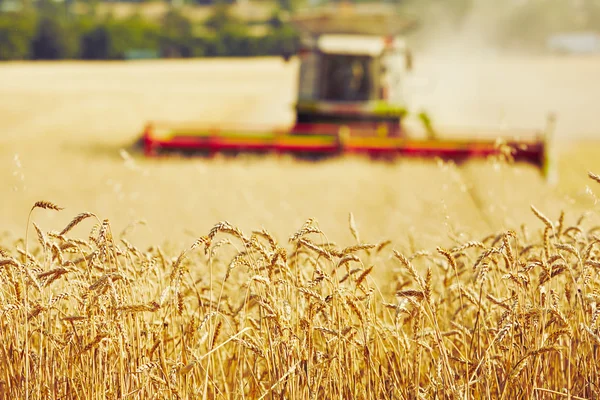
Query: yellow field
(496, 319)
(66, 123)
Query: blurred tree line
(50, 31)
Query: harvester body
(351, 100)
(353, 82)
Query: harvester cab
(351, 74)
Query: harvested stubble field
(445, 283)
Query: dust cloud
(484, 71)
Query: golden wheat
(508, 316)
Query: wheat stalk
(594, 177)
(75, 221)
(542, 218)
(353, 229)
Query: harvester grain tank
(351, 100)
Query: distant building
(574, 43)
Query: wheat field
(273, 278)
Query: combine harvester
(350, 101)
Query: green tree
(282, 40)
(54, 40)
(133, 33)
(230, 35)
(96, 44)
(221, 17)
(16, 32)
(176, 35)
(56, 35)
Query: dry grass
(241, 315)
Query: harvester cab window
(346, 78)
